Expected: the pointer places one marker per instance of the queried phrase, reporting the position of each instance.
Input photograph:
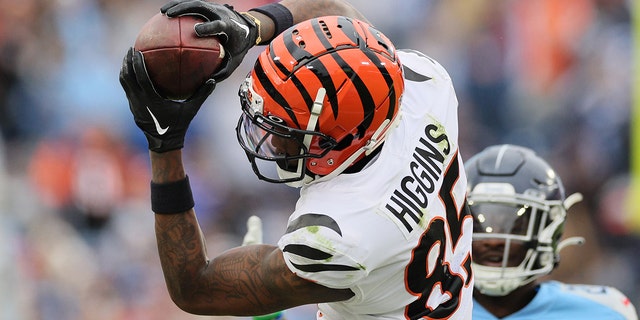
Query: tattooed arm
(247, 280)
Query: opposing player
(519, 208)
(368, 133)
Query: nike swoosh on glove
(163, 121)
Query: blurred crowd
(77, 239)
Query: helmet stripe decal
(294, 50)
(363, 92)
(321, 71)
(308, 99)
(351, 33)
(383, 70)
(388, 80)
(358, 70)
(299, 54)
(348, 29)
(388, 46)
(288, 43)
(273, 93)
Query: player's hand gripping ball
(177, 60)
(237, 32)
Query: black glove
(237, 32)
(164, 122)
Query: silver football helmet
(519, 208)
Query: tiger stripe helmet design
(331, 84)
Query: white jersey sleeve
(316, 249)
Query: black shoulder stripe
(414, 76)
(307, 252)
(314, 220)
(323, 267)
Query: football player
(367, 132)
(519, 209)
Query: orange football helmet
(322, 95)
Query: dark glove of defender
(164, 122)
(237, 33)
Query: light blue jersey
(558, 301)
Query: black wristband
(171, 198)
(281, 16)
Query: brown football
(177, 60)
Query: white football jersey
(395, 233)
